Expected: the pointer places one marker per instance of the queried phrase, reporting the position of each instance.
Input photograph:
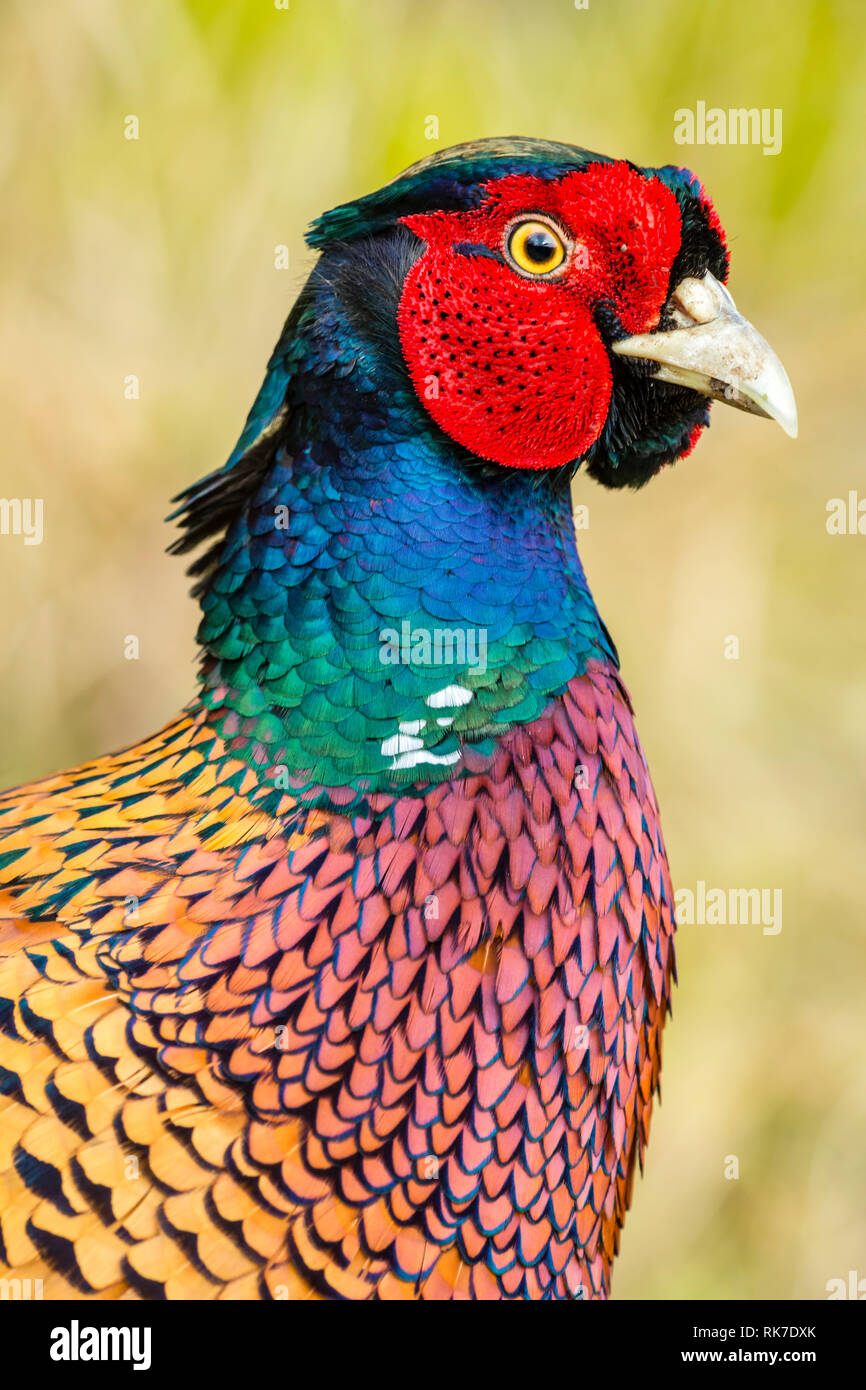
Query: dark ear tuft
(209, 507)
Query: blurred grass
(156, 257)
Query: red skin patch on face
(514, 368)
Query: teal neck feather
(379, 598)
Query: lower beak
(717, 352)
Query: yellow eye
(534, 248)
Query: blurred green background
(156, 257)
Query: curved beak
(717, 352)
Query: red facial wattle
(513, 367)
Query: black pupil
(539, 247)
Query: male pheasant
(350, 982)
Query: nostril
(696, 301)
(677, 317)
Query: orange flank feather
(241, 1058)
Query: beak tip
(719, 355)
(782, 408)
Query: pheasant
(350, 982)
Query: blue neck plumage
(381, 599)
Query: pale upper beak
(717, 352)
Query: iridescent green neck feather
(376, 598)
